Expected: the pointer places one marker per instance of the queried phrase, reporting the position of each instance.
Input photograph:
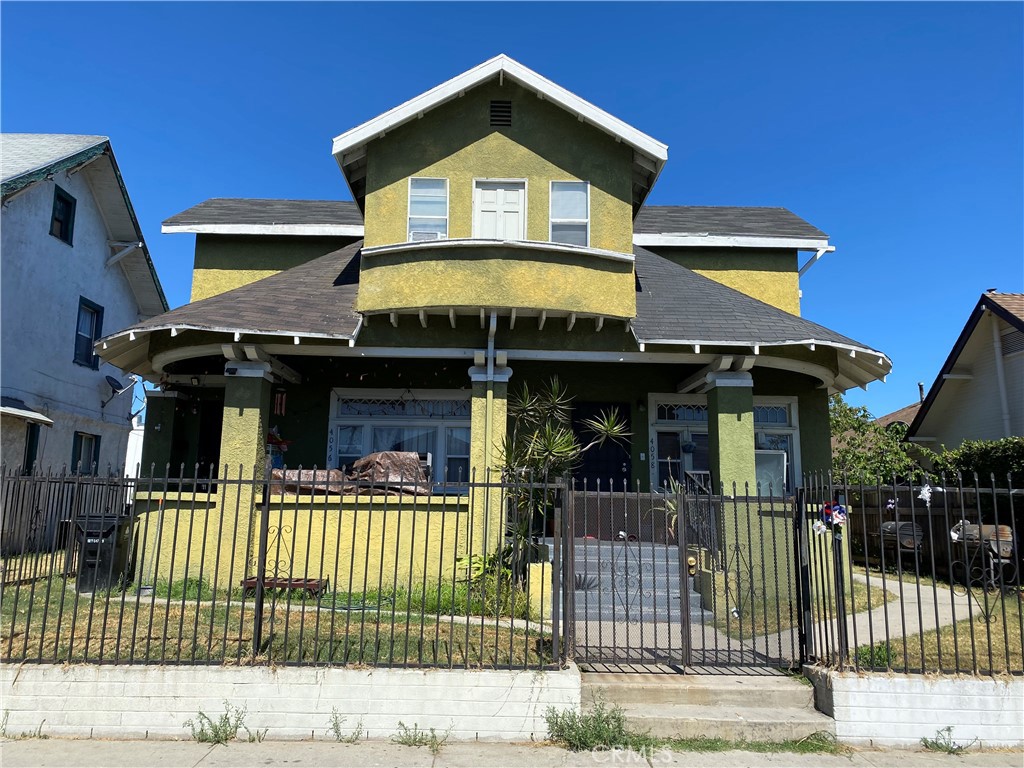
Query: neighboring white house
(75, 267)
(979, 392)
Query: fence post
(682, 552)
(557, 580)
(261, 559)
(801, 557)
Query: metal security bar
(919, 578)
(682, 577)
(293, 566)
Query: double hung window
(433, 424)
(62, 220)
(88, 329)
(85, 453)
(428, 209)
(570, 212)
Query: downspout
(488, 417)
(997, 347)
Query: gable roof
(1007, 306)
(245, 216)
(28, 158)
(675, 306)
(649, 154)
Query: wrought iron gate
(692, 580)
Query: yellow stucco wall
(223, 262)
(544, 144)
(353, 541)
(496, 277)
(768, 275)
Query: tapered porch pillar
(488, 426)
(731, 430)
(243, 446)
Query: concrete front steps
(737, 708)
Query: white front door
(499, 210)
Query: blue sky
(896, 128)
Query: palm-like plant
(539, 449)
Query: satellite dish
(118, 388)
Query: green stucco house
(497, 235)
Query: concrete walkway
(912, 610)
(57, 753)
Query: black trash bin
(102, 555)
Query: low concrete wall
(292, 702)
(899, 710)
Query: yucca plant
(540, 448)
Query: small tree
(865, 450)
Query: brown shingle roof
(312, 299)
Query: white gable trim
(526, 77)
(705, 240)
(312, 230)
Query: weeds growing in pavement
(943, 742)
(339, 733)
(414, 737)
(222, 730)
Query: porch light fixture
(195, 381)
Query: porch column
(243, 444)
(489, 421)
(158, 438)
(731, 430)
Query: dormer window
(570, 212)
(428, 209)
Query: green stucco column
(731, 431)
(243, 446)
(488, 427)
(158, 433)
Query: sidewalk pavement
(60, 753)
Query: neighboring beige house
(979, 392)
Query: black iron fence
(912, 578)
(681, 577)
(313, 567)
(294, 567)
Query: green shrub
(986, 458)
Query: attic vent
(501, 113)
(1013, 342)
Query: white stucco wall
(43, 278)
(134, 701)
(899, 710)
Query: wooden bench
(314, 587)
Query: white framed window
(678, 429)
(776, 443)
(428, 209)
(433, 423)
(678, 432)
(570, 212)
(499, 209)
